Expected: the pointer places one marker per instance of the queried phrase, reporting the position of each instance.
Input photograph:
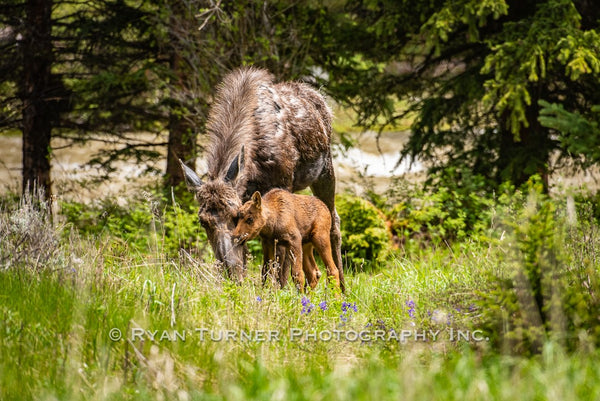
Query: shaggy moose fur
(264, 135)
(290, 220)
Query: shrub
(148, 223)
(364, 235)
(452, 206)
(547, 285)
(28, 237)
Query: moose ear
(235, 167)
(192, 180)
(257, 199)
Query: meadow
(109, 302)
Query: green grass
(56, 317)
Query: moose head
(218, 202)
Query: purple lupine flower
(307, 306)
(259, 299)
(411, 308)
(346, 306)
(323, 305)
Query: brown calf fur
(294, 225)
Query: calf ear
(257, 199)
(192, 180)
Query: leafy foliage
(451, 207)
(580, 136)
(148, 224)
(474, 72)
(364, 235)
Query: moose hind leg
(324, 189)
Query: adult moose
(263, 135)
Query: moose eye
(249, 220)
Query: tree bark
(182, 135)
(529, 153)
(38, 113)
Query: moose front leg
(269, 258)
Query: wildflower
(259, 299)
(307, 306)
(346, 306)
(323, 305)
(411, 308)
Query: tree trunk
(38, 113)
(182, 135)
(528, 154)
(181, 145)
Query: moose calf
(294, 224)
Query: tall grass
(60, 306)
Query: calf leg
(322, 243)
(295, 255)
(309, 265)
(284, 264)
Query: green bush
(150, 223)
(452, 206)
(365, 239)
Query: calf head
(250, 220)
